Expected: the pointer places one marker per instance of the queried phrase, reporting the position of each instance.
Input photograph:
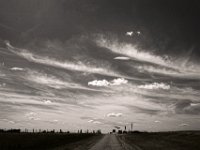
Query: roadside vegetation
(183, 140)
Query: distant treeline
(10, 131)
(41, 141)
(46, 131)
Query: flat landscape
(184, 140)
(43, 141)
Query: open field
(184, 140)
(30, 141)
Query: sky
(100, 64)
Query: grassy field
(32, 141)
(185, 140)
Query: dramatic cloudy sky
(100, 64)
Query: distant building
(119, 131)
(114, 131)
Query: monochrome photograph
(99, 75)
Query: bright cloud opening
(104, 82)
(114, 115)
(155, 86)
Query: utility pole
(131, 126)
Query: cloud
(52, 81)
(99, 83)
(130, 33)
(47, 80)
(47, 102)
(170, 71)
(157, 121)
(54, 121)
(90, 121)
(106, 83)
(131, 50)
(94, 121)
(9, 121)
(183, 124)
(17, 69)
(149, 110)
(155, 86)
(69, 65)
(114, 115)
(159, 70)
(102, 121)
(3, 85)
(32, 116)
(12, 122)
(167, 65)
(122, 58)
(187, 107)
(119, 81)
(138, 33)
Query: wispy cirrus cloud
(158, 70)
(74, 66)
(178, 67)
(171, 72)
(48, 80)
(130, 50)
(52, 81)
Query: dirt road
(111, 142)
